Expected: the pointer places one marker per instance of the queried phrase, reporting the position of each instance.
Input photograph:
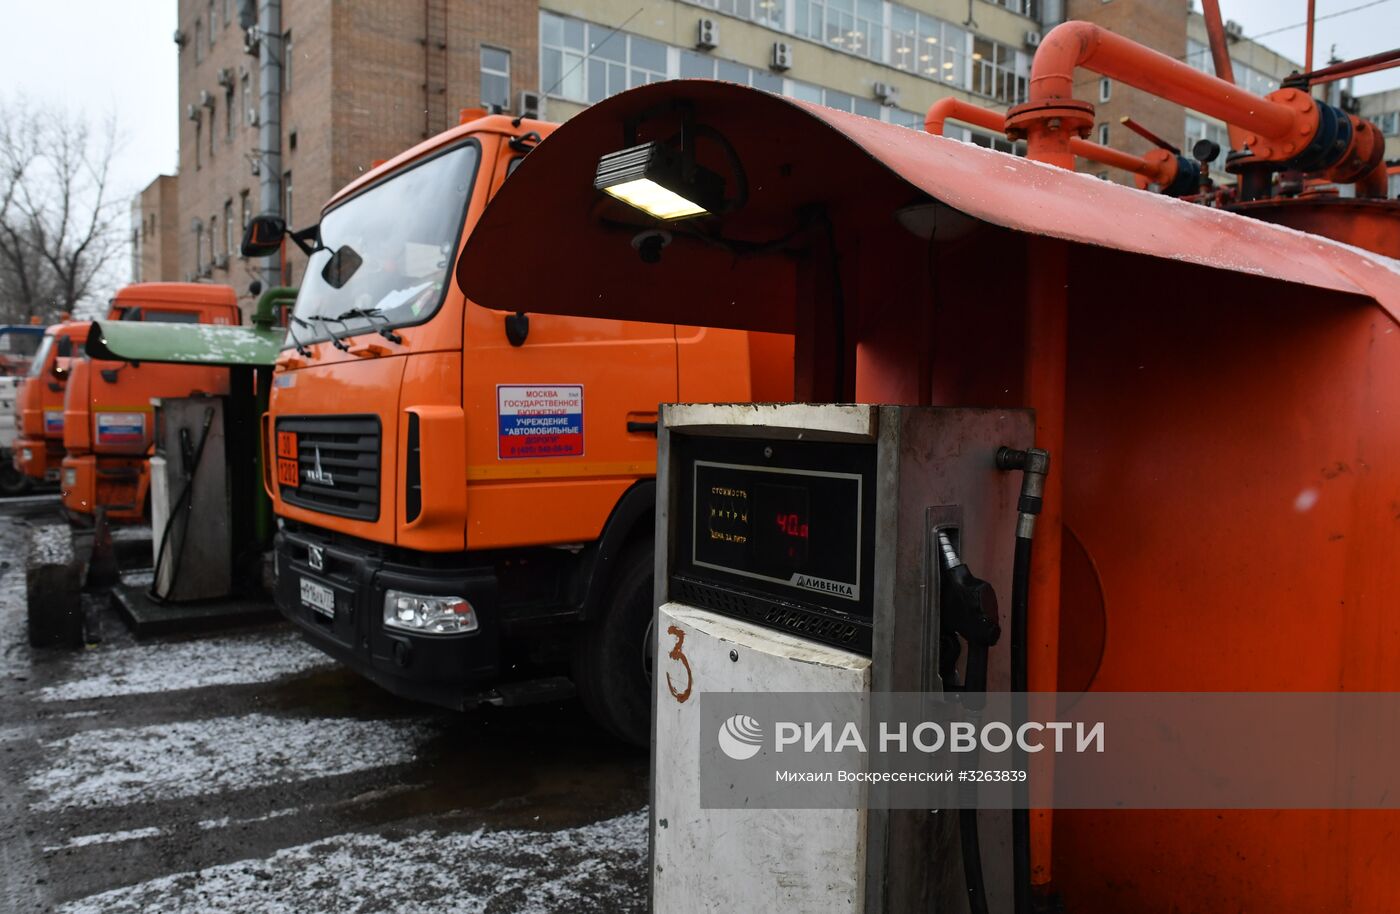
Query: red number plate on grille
(287, 445)
(287, 472)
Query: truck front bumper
(79, 483)
(446, 670)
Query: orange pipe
(955, 109)
(1220, 54)
(1308, 54)
(1084, 44)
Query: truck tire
(56, 617)
(613, 659)
(12, 481)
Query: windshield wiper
(300, 347)
(336, 341)
(371, 314)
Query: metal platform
(147, 618)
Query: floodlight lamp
(653, 178)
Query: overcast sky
(104, 57)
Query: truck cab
(107, 412)
(465, 495)
(38, 451)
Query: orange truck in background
(38, 451)
(107, 413)
(465, 497)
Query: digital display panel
(800, 528)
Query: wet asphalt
(242, 771)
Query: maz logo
(318, 475)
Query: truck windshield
(403, 232)
(36, 367)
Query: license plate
(319, 597)
(288, 472)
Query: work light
(653, 178)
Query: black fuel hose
(972, 860)
(1034, 465)
(180, 506)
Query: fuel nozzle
(968, 608)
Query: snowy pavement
(244, 772)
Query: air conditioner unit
(206, 99)
(192, 112)
(251, 38)
(252, 117)
(221, 261)
(887, 93)
(255, 166)
(1033, 39)
(530, 104)
(225, 77)
(1233, 30)
(782, 56)
(707, 34)
(180, 38)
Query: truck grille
(348, 452)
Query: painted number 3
(681, 695)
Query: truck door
(559, 426)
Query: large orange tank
(107, 413)
(1223, 395)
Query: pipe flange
(1285, 148)
(1068, 114)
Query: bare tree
(59, 226)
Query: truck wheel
(55, 607)
(613, 657)
(12, 481)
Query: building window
(213, 129)
(198, 143)
(1105, 89)
(287, 55)
(230, 242)
(495, 79)
(214, 240)
(213, 22)
(245, 213)
(618, 61)
(199, 41)
(1387, 122)
(198, 247)
(999, 71)
(930, 47)
(851, 25)
(287, 198)
(1029, 8)
(629, 60)
(228, 113)
(228, 11)
(246, 84)
(1103, 134)
(766, 12)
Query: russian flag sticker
(121, 428)
(540, 420)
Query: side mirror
(340, 266)
(263, 236)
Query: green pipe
(265, 314)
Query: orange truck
(107, 412)
(38, 451)
(465, 496)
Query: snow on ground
(51, 545)
(597, 867)
(113, 837)
(170, 666)
(113, 767)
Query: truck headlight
(70, 477)
(26, 454)
(413, 612)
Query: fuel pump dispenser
(827, 548)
